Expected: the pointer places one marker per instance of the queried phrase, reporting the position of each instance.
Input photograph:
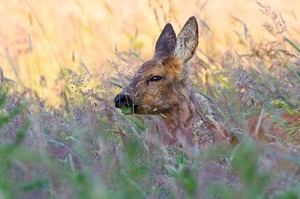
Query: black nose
(122, 101)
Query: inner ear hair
(187, 40)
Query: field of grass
(63, 62)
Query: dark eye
(155, 78)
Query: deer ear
(187, 40)
(166, 42)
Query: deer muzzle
(123, 101)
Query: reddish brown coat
(160, 86)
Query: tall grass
(80, 146)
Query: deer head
(159, 86)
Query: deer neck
(181, 116)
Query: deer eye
(155, 78)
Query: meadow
(63, 62)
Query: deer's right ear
(187, 40)
(166, 42)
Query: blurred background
(64, 61)
(39, 39)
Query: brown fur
(272, 129)
(160, 87)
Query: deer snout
(123, 101)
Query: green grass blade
(291, 67)
(292, 43)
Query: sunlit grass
(64, 62)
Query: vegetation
(61, 137)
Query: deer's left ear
(187, 40)
(166, 43)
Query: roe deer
(160, 87)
